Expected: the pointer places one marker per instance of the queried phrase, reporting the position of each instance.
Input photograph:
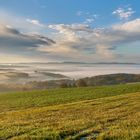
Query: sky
(69, 30)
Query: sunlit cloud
(124, 13)
(35, 22)
(81, 38)
(72, 42)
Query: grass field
(101, 113)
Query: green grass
(102, 113)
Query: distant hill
(111, 79)
(78, 62)
(124, 63)
(101, 80)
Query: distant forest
(101, 80)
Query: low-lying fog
(22, 73)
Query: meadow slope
(102, 113)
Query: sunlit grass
(104, 113)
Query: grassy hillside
(102, 113)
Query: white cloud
(131, 26)
(89, 20)
(91, 43)
(74, 42)
(21, 23)
(78, 39)
(87, 16)
(35, 22)
(124, 13)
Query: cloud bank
(66, 42)
(80, 39)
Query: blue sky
(64, 11)
(71, 30)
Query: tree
(81, 83)
(63, 84)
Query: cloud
(20, 23)
(16, 58)
(69, 42)
(124, 13)
(19, 38)
(35, 22)
(131, 26)
(12, 40)
(87, 16)
(78, 39)
(90, 43)
(16, 34)
(89, 20)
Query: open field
(102, 113)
